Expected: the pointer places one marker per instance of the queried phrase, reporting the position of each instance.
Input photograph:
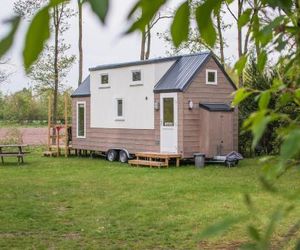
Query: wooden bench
(20, 154)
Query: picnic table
(12, 150)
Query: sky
(101, 44)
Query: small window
(120, 108)
(81, 120)
(136, 76)
(168, 112)
(104, 79)
(211, 77)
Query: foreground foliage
(94, 204)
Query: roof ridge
(142, 62)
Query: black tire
(111, 155)
(123, 157)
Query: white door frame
(169, 134)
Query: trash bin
(199, 160)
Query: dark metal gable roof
(179, 76)
(215, 107)
(83, 89)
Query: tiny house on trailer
(176, 105)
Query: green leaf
(265, 35)
(291, 145)
(257, 123)
(298, 245)
(297, 93)
(240, 95)
(262, 60)
(264, 100)
(100, 8)
(180, 25)
(267, 185)
(253, 232)
(244, 18)
(7, 41)
(148, 10)
(285, 98)
(204, 21)
(37, 34)
(219, 227)
(282, 4)
(240, 64)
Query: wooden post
(177, 162)
(57, 142)
(66, 126)
(49, 123)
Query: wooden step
(50, 153)
(147, 163)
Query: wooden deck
(154, 159)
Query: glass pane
(136, 76)
(81, 125)
(104, 79)
(168, 119)
(120, 108)
(211, 77)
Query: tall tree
(194, 43)
(54, 61)
(4, 75)
(147, 36)
(80, 45)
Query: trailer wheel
(123, 157)
(112, 155)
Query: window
(211, 77)
(81, 119)
(136, 76)
(120, 109)
(168, 112)
(104, 79)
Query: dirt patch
(234, 245)
(30, 136)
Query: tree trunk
(80, 42)
(257, 47)
(221, 40)
(56, 40)
(240, 50)
(142, 56)
(148, 42)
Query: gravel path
(31, 136)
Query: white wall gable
(138, 97)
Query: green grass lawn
(81, 203)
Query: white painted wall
(138, 100)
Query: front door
(168, 123)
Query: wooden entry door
(168, 123)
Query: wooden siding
(197, 123)
(102, 139)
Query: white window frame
(104, 84)
(139, 81)
(216, 76)
(119, 118)
(77, 119)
